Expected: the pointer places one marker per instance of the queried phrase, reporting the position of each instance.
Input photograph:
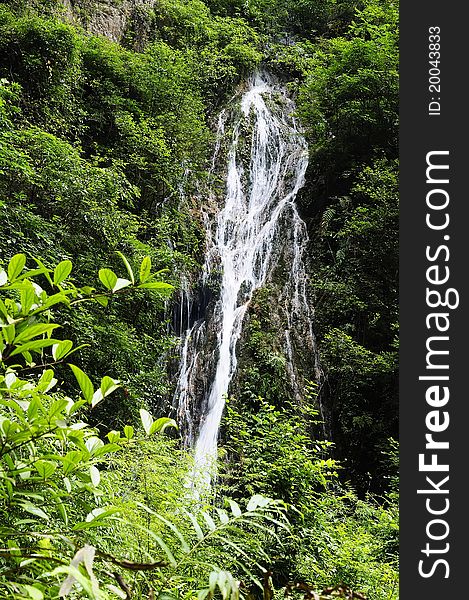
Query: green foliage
(49, 457)
(270, 451)
(349, 105)
(57, 474)
(102, 150)
(164, 517)
(350, 97)
(335, 537)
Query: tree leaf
(103, 300)
(212, 581)
(84, 382)
(71, 460)
(45, 468)
(61, 349)
(113, 436)
(95, 475)
(224, 518)
(145, 269)
(195, 524)
(93, 444)
(210, 522)
(33, 346)
(62, 271)
(108, 385)
(235, 509)
(108, 278)
(120, 593)
(97, 397)
(129, 432)
(156, 285)
(34, 510)
(147, 420)
(33, 331)
(258, 501)
(161, 424)
(43, 269)
(15, 266)
(120, 284)
(127, 266)
(33, 592)
(27, 297)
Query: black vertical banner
(434, 253)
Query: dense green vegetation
(102, 145)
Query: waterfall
(257, 226)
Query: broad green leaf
(15, 266)
(59, 298)
(119, 592)
(120, 284)
(34, 510)
(161, 424)
(73, 574)
(95, 476)
(147, 420)
(72, 407)
(257, 501)
(108, 278)
(33, 408)
(196, 525)
(100, 514)
(43, 269)
(60, 507)
(34, 346)
(62, 271)
(9, 333)
(145, 269)
(113, 436)
(127, 266)
(84, 382)
(47, 381)
(27, 298)
(33, 592)
(28, 358)
(128, 432)
(103, 300)
(212, 581)
(105, 449)
(93, 444)
(108, 385)
(3, 311)
(97, 397)
(156, 285)
(71, 460)
(33, 331)
(10, 379)
(61, 349)
(224, 518)
(165, 549)
(45, 468)
(87, 290)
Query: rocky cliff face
(118, 20)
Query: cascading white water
(258, 218)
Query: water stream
(256, 228)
